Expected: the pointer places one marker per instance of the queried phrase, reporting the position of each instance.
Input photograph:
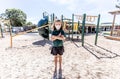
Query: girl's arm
(57, 37)
(60, 37)
(53, 37)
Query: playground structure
(44, 32)
(114, 35)
(114, 13)
(70, 26)
(73, 28)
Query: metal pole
(83, 28)
(78, 25)
(62, 18)
(72, 24)
(69, 28)
(53, 17)
(43, 14)
(97, 29)
(78, 30)
(48, 28)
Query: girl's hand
(59, 35)
(53, 38)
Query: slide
(44, 32)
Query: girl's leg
(55, 60)
(55, 72)
(60, 61)
(60, 66)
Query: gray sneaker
(55, 74)
(60, 74)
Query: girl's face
(58, 25)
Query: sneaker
(60, 73)
(55, 74)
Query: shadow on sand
(42, 42)
(103, 55)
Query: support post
(83, 28)
(1, 31)
(72, 24)
(97, 29)
(113, 25)
(53, 17)
(78, 24)
(62, 18)
(11, 39)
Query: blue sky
(35, 8)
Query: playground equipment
(44, 26)
(44, 32)
(1, 31)
(75, 27)
(114, 35)
(88, 18)
(66, 25)
(114, 13)
(69, 28)
(113, 38)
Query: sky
(35, 8)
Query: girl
(58, 36)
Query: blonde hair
(53, 25)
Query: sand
(30, 58)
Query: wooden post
(11, 40)
(113, 25)
(1, 31)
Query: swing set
(76, 26)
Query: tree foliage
(16, 17)
(29, 23)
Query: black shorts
(57, 50)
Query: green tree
(29, 23)
(16, 17)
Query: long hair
(54, 28)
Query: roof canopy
(115, 12)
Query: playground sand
(30, 58)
